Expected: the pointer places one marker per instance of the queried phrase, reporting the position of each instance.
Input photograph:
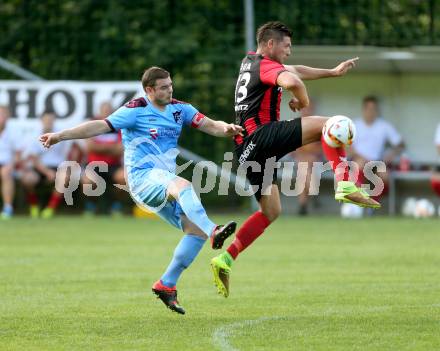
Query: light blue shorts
(149, 190)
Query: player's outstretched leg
(189, 212)
(184, 254)
(347, 191)
(221, 233)
(193, 209)
(250, 230)
(221, 265)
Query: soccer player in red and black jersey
(261, 80)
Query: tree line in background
(200, 42)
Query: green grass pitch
(306, 284)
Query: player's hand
(295, 105)
(344, 67)
(49, 139)
(232, 130)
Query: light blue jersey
(150, 139)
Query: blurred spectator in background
(106, 148)
(309, 153)
(43, 169)
(374, 134)
(435, 180)
(9, 157)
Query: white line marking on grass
(221, 335)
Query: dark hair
(273, 30)
(48, 112)
(370, 98)
(152, 74)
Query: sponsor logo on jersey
(177, 117)
(154, 133)
(245, 67)
(246, 152)
(164, 132)
(170, 132)
(241, 108)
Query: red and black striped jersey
(257, 95)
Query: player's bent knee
(196, 232)
(312, 128)
(191, 228)
(177, 186)
(182, 183)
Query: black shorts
(272, 140)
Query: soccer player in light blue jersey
(151, 126)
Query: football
(351, 211)
(339, 131)
(409, 207)
(424, 209)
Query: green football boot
(350, 193)
(47, 213)
(221, 268)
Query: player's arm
(289, 81)
(83, 131)
(219, 128)
(310, 73)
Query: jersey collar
(154, 108)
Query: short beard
(163, 102)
